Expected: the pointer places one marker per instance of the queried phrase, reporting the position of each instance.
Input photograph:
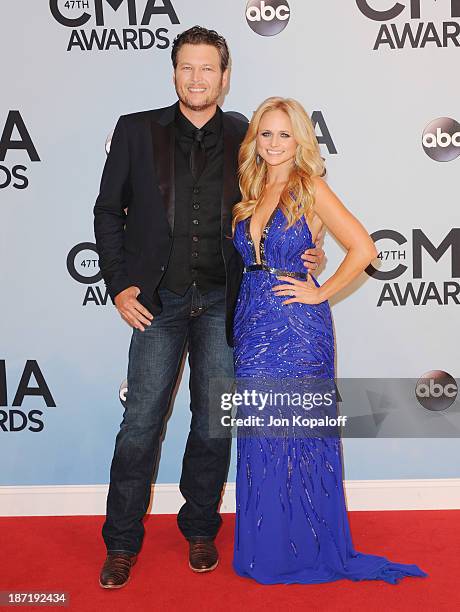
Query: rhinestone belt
(257, 267)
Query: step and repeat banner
(378, 78)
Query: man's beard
(208, 102)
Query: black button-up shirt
(196, 255)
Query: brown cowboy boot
(116, 569)
(203, 555)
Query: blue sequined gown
(291, 518)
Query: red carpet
(65, 554)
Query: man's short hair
(201, 36)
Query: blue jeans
(155, 356)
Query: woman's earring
(258, 159)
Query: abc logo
(441, 139)
(123, 392)
(108, 142)
(436, 390)
(268, 17)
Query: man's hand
(131, 310)
(314, 258)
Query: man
(173, 274)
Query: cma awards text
(15, 419)
(74, 14)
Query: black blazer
(134, 247)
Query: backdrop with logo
(377, 77)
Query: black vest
(196, 254)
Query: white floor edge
(76, 500)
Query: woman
(291, 523)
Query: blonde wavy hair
(298, 196)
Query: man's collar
(186, 127)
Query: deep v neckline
(263, 236)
